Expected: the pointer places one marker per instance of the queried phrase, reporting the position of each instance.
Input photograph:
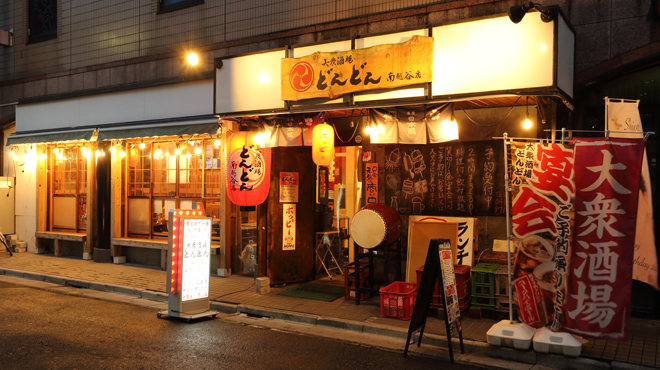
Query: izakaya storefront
(415, 93)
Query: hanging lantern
(323, 144)
(248, 169)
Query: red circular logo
(301, 76)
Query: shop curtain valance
(49, 137)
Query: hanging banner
(542, 213)
(600, 280)
(624, 116)
(329, 75)
(288, 187)
(289, 229)
(372, 182)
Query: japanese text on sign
(372, 182)
(196, 259)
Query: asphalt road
(42, 329)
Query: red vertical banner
(542, 179)
(607, 177)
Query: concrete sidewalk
(237, 294)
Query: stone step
(11, 237)
(20, 249)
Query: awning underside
(49, 137)
(210, 128)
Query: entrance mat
(315, 291)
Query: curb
(470, 347)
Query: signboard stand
(433, 272)
(189, 265)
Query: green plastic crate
(483, 285)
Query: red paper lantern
(248, 169)
(323, 144)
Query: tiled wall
(98, 32)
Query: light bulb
(12, 153)
(158, 152)
(56, 150)
(527, 124)
(198, 150)
(192, 59)
(15, 158)
(142, 145)
(177, 151)
(217, 143)
(98, 153)
(122, 154)
(367, 130)
(43, 156)
(59, 156)
(84, 149)
(113, 149)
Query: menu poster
(460, 179)
(196, 259)
(288, 187)
(289, 227)
(451, 296)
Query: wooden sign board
(329, 75)
(419, 236)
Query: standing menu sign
(189, 253)
(437, 268)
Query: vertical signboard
(449, 285)
(189, 247)
(372, 182)
(289, 227)
(288, 187)
(607, 176)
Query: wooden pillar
(90, 242)
(115, 205)
(58, 248)
(103, 201)
(227, 216)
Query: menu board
(449, 288)
(196, 262)
(462, 179)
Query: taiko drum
(375, 224)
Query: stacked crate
(463, 287)
(483, 285)
(502, 289)
(349, 279)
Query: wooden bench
(57, 237)
(160, 244)
(151, 244)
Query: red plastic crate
(463, 286)
(398, 300)
(349, 279)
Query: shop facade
(230, 103)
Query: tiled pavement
(641, 348)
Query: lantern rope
(494, 124)
(337, 132)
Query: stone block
(224, 272)
(11, 237)
(119, 259)
(20, 249)
(263, 285)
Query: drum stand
(371, 254)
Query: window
(159, 180)
(69, 189)
(171, 5)
(42, 20)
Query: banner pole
(508, 226)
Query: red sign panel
(600, 280)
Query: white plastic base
(119, 259)
(505, 334)
(560, 342)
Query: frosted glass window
(138, 215)
(64, 212)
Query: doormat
(318, 292)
